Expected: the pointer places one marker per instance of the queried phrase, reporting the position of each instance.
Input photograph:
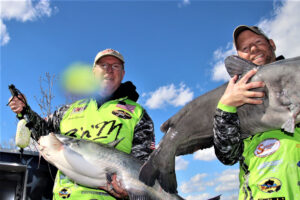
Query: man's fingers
(16, 105)
(254, 101)
(254, 94)
(248, 75)
(252, 97)
(109, 188)
(233, 80)
(255, 85)
(20, 99)
(17, 110)
(117, 186)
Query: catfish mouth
(48, 143)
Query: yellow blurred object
(78, 79)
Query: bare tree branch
(45, 101)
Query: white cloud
(205, 154)
(227, 181)
(21, 10)
(203, 196)
(195, 184)
(184, 3)
(219, 70)
(283, 28)
(181, 164)
(230, 197)
(4, 36)
(170, 95)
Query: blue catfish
(91, 164)
(191, 128)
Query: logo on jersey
(267, 147)
(127, 107)
(270, 185)
(78, 109)
(122, 114)
(64, 193)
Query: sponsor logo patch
(122, 114)
(94, 193)
(127, 107)
(78, 109)
(267, 147)
(274, 198)
(270, 185)
(64, 193)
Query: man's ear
(272, 44)
(123, 73)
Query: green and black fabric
(115, 119)
(271, 166)
(269, 161)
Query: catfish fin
(148, 173)
(115, 143)
(289, 125)
(166, 177)
(216, 198)
(168, 181)
(165, 126)
(238, 66)
(133, 195)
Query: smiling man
(268, 160)
(253, 45)
(112, 114)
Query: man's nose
(253, 48)
(109, 69)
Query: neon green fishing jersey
(114, 120)
(271, 166)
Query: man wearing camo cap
(110, 116)
(269, 161)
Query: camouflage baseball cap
(238, 30)
(109, 52)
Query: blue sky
(174, 52)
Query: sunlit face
(111, 77)
(255, 48)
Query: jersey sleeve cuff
(223, 107)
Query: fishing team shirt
(114, 120)
(271, 166)
(269, 161)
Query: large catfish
(191, 128)
(91, 164)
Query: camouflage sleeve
(143, 140)
(227, 142)
(39, 126)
